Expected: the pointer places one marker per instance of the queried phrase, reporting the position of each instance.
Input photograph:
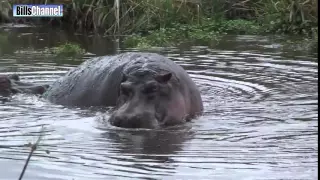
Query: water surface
(260, 120)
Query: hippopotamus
(12, 85)
(146, 90)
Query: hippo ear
(163, 78)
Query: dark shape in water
(148, 90)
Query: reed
(140, 16)
(288, 16)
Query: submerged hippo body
(12, 85)
(147, 90)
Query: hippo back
(96, 82)
(93, 83)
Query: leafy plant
(206, 32)
(68, 49)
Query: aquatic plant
(68, 49)
(210, 30)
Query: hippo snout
(133, 121)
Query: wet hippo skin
(147, 90)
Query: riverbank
(171, 22)
(207, 33)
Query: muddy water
(260, 120)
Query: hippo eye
(150, 89)
(125, 89)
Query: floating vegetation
(68, 49)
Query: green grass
(206, 33)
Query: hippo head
(5, 85)
(149, 100)
(11, 84)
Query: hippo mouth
(139, 121)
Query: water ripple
(260, 122)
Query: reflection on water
(260, 120)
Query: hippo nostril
(126, 122)
(134, 123)
(137, 121)
(117, 121)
